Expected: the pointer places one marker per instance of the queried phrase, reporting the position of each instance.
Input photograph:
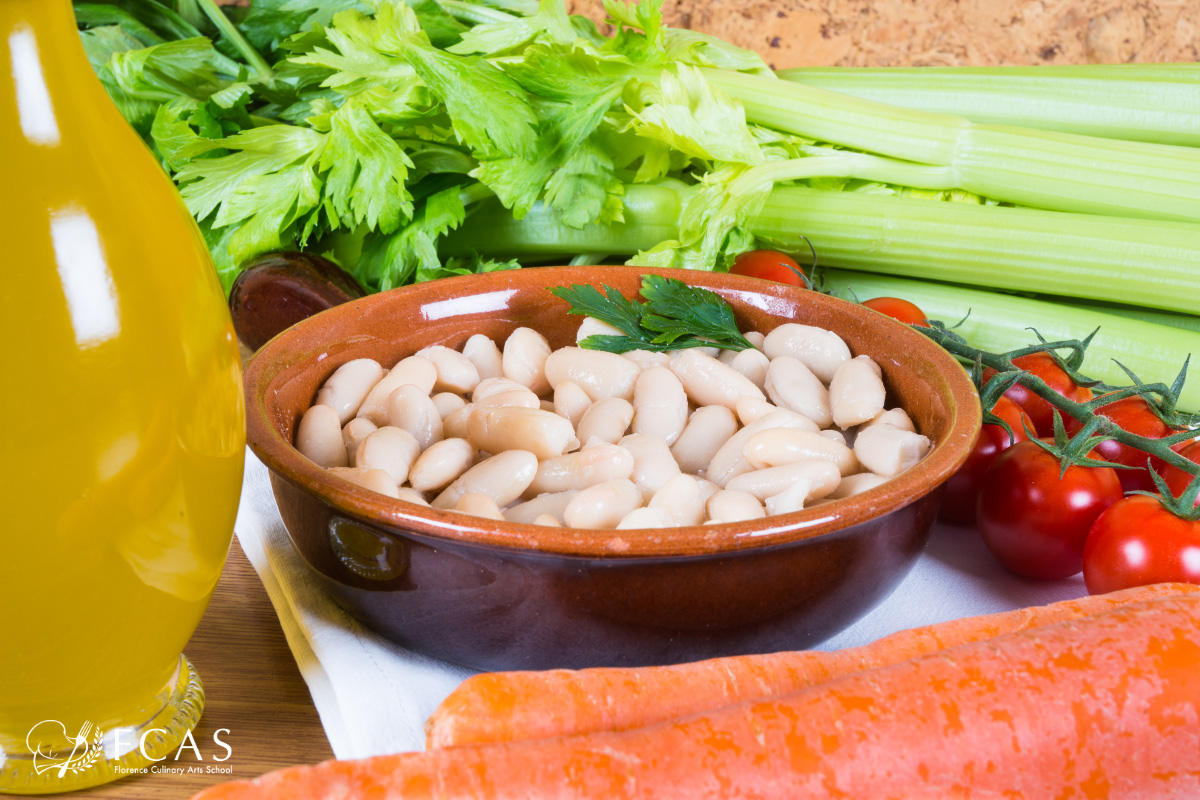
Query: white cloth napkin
(374, 696)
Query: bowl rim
(278, 356)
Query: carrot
(1106, 706)
(510, 706)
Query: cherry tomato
(894, 307)
(1134, 415)
(962, 490)
(1178, 480)
(769, 265)
(1036, 523)
(1045, 367)
(1137, 542)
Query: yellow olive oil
(121, 417)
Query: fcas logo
(55, 750)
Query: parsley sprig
(674, 316)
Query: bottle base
(102, 755)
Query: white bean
(707, 488)
(547, 405)
(413, 410)
(749, 409)
(731, 506)
(493, 386)
(319, 437)
(570, 402)
(820, 350)
(641, 518)
(708, 382)
(597, 464)
(790, 499)
(682, 498)
(517, 398)
(710, 352)
(413, 371)
(594, 327)
(753, 364)
(727, 356)
(660, 403)
(887, 450)
(455, 372)
(355, 431)
(755, 338)
(446, 402)
(598, 373)
(653, 464)
(707, 430)
(602, 506)
(834, 435)
(374, 479)
(792, 385)
(411, 496)
(502, 477)
(524, 359)
(856, 393)
(606, 420)
(390, 449)
(729, 461)
(441, 464)
(547, 521)
(763, 483)
(482, 351)
(478, 505)
(779, 447)
(454, 426)
(549, 504)
(856, 484)
(345, 390)
(893, 416)
(647, 358)
(513, 428)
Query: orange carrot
(510, 706)
(1106, 706)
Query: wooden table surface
(252, 687)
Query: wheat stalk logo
(85, 752)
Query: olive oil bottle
(121, 426)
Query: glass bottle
(121, 426)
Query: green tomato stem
(1084, 413)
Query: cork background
(889, 33)
(861, 33)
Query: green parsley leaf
(675, 310)
(675, 316)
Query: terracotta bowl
(502, 595)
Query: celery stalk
(1000, 322)
(1185, 322)
(1046, 169)
(1142, 262)
(1137, 102)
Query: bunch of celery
(411, 140)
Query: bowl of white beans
(466, 479)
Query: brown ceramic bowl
(501, 595)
